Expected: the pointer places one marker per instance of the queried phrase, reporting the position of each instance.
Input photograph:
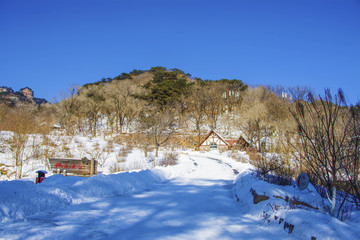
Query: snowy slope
(307, 222)
(196, 199)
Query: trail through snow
(195, 201)
(197, 205)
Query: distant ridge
(24, 95)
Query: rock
(258, 198)
(24, 96)
(27, 92)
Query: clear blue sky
(50, 45)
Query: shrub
(170, 158)
(115, 167)
(273, 169)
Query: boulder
(258, 198)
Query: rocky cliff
(24, 95)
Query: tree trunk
(199, 137)
(332, 200)
(146, 151)
(94, 123)
(120, 125)
(157, 150)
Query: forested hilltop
(289, 129)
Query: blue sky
(51, 45)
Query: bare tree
(352, 162)
(279, 90)
(257, 116)
(159, 125)
(324, 127)
(122, 103)
(299, 92)
(69, 109)
(93, 99)
(143, 137)
(215, 103)
(196, 103)
(21, 124)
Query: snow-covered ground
(204, 196)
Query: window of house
(213, 146)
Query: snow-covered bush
(170, 158)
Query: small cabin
(241, 143)
(214, 141)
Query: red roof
(231, 142)
(208, 135)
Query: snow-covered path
(197, 205)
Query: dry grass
(170, 158)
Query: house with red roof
(214, 141)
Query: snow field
(21, 199)
(195, 199)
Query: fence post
(92, 167)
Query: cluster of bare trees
(88, 106)
(185, 106)
(328, 144)
(19, 123)
(264, 116)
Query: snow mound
(21, 199)
(281, 211)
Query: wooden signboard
(73, 167)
